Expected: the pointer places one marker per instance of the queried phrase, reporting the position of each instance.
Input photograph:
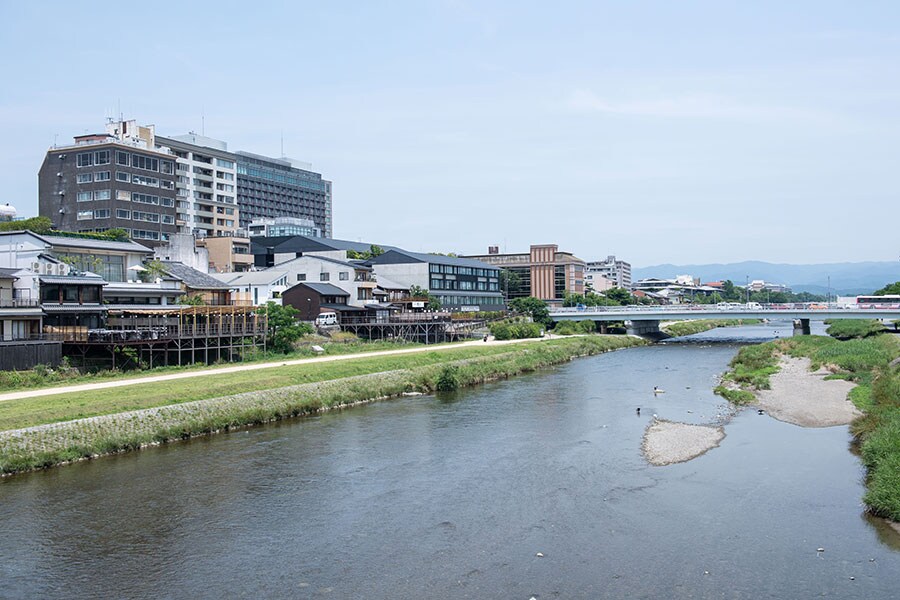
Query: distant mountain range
(846, 278)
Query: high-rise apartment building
(206, 185)
(271, 187)
(116, 179)
(617, 271)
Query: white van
(326, 318)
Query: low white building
(332, 267)
(256, 287)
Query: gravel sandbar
(805, 398)
(668, 442)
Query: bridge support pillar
(646, 329)
(604, 327)
(801, 327)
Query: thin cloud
(692, 106)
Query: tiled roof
(193, 278)
(325, 289)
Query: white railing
(719, 308)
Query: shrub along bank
(872, 363)
(48, 445)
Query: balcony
(19, 302)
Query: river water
(455, 496)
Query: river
(529, 487)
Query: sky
(661, 132)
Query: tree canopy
(283, 329)
(534, 307)
(891, 288)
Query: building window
(84, 178)
(123, 195)
(145, 216)
(301, 276)
(123, 214)
(84, 196)
(166, 167)
(168, 220)
(144, 198)
(85, 159)
(324, 276)
(85, 215)
(122, 158)
(101, 157)
(141, 180)
(224, 163)
(102, 213)
(344, 275)
(146, 163)
(102, 194)
(122, 176)
(101, 176)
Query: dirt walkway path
(84, 387)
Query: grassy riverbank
(868, 363)
(323, 386)
(46, 377)
(681, 328)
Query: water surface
(454, 496)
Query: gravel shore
(805, 398)
(668, 442)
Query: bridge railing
(714, 308)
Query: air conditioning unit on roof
(36, 267)
(48, 269)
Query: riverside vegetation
(873, 363)
(188, 409)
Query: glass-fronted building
(270, 187)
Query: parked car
(326, 318)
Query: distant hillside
(846, 278)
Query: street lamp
(747, 286)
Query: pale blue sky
(684, 132)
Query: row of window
(94, 195)
(91, 177)
(124, 195)
(137, 234)
(89, 159)
(104, 213)
(342, 276)
(280, 178)
(139, 161)
(481, 286)
(469, 300)
(453, 270)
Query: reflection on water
(454, 496)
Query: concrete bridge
(644, 320)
